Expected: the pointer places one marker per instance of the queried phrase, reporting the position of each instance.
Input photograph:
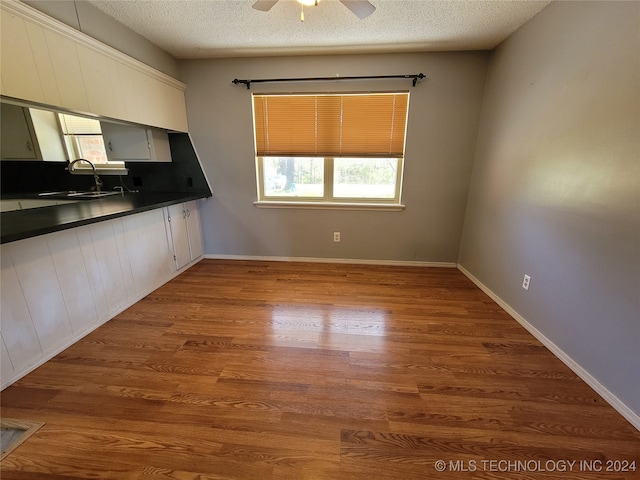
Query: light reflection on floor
(340, 328)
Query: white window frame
(329, 200)
(73, 149)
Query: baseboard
(589, 379)
(357, 261)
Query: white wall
(555, 191)
(443, 118)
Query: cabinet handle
(184, 214)
(110, 147)
(188, 213)
(28, 144)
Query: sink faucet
(71, 169)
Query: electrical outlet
(336, 236)
(526, 282)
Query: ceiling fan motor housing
(361, 8)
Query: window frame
(328, 182)
(329, 200)
(73, 148)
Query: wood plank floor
(259, 370)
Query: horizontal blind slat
(75, 125)
(330, 124)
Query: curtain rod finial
(236, 81)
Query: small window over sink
(83, 139)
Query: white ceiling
(231, 28)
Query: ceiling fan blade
(362, 8)
(264, 5)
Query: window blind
(74, 125)
(335, 125)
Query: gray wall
(89, 20)
(555, 185)
(443, 119)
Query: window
(83, 139)
(330, 148)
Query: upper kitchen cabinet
(20, 76)
(137, 144)
(30, 134)
(47, 62)
(18, 135)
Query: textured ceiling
(231, 28)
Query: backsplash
(182, 174)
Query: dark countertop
(21, 224)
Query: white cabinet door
(30, 134)
(186, 232)
(174, 111)
(18, 137)
(159, 256)
(135, 144)
(179, 235)
(149, 253)
(125, 142)
(20, 78)
(102, 82)
(67, 71)
(194, 229)
(44, 63)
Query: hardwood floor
(258, 370)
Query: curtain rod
(248, 83)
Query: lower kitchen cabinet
(186, 232)
(56, 288)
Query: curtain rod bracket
(414, 79)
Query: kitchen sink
(78, 194)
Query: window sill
(394, 207)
